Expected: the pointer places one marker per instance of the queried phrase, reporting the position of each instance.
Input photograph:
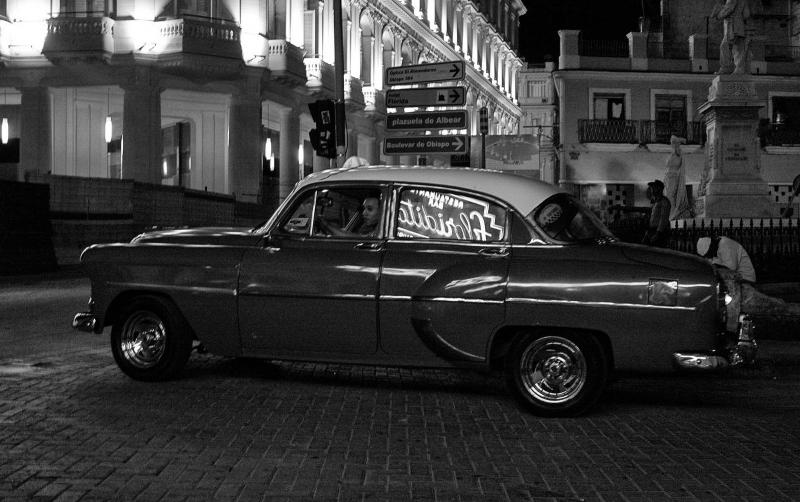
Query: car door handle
(494, 253)
(272, 249)
(369, 246)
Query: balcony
(285, 63)
(195, 44)
(79, 36)
(319, 75)
(374, 101)
(779, 135)
(353, 93)
(640, 132)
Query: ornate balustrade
(638, 131)
(81, 35)
(285, 62)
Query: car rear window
(436, 214)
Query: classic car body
(466, 268)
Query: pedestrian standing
(657, 233)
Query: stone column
(289, 168)
(570, 49)
(698, 52)
(732, 185)
(34, 145)
(637, 47)
(141, 130)
(245, 149)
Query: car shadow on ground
(460, 380)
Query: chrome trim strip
(395, 298)
(699, 361)
(172, 287)
(597, 304)
(84, 321)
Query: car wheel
(151, 340)
(557, 374)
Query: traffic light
(323, 137)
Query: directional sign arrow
(421, 73)
(425, 144)
(431, 96)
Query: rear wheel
(151, 340)
(561, 374)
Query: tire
(557, 374)
(150, 339)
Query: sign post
(432, 72)
(431, 96)
(405, 145)
(484, 130)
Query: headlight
(723, 299)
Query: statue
(675, 183)
(735, 46)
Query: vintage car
(414, 266)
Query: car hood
(667, 258)
(219, 236)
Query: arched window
(367, 41)
(388, 48)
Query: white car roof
(523, 194)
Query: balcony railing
(781, 53)
(779, 135)
(78, 34)
(604, 48)
(638, 131)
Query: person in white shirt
(729, 254)
(736, 270)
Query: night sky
(597, 19)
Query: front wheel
(151, 340)
(557, 375)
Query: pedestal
(732, 185)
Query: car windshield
(566, 219)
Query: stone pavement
(73, 427)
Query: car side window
(440, 214)
(349, 213)
(298, 219)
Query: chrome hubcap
(143, 339)
(553, 369)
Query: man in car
(370, 221)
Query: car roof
(523, 194)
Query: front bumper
(84, 321)
(742, 353)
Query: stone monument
(732, 185)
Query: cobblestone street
(73, 427)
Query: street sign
(455, 119)
(431, 96)
(432, 72)
(403, 145)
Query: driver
(370, 221)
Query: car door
(444, 274)
(308, 292)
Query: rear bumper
(84, 321)
(743, 353)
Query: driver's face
(371, 211)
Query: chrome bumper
(84, 321)
(743, 353)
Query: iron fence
(639, 131)
(773, 244)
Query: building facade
(212, 95)
(619, 102)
